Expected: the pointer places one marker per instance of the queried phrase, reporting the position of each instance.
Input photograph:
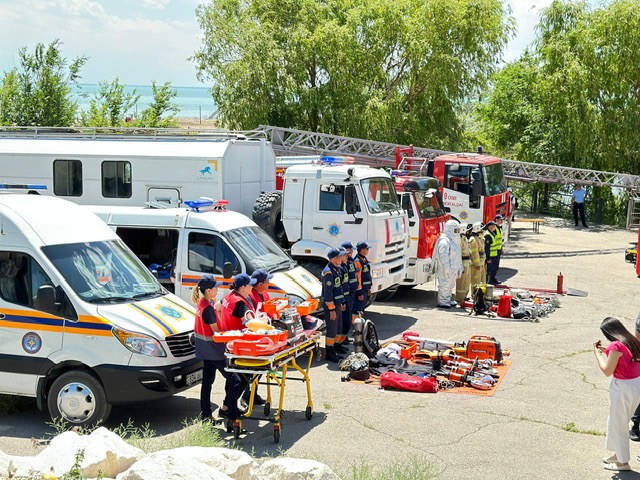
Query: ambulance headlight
(139, 342)
(294, 300)
(377, 272)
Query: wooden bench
(535, 222)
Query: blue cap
(362, 246)
(243, 279)
(333, 253)
(499, 217)
(208, 281)
(347, 246)
(489, 223)
(261, 275)
(342, 251)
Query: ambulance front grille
(182, 344)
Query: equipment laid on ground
(631, 253)
(478, 346)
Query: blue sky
(139, 41)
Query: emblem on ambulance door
(31, 342)
(334, 230)
(170, 312)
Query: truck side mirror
(476, 187)
(227, 270)
(351, 199)
(406, 204)
(46, 299)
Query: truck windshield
(494, 181)
(380, 195)
(103, 272)
(257, 249)
(430, 203)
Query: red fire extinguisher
(559, 284)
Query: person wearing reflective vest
(345, 319)
(238, 302)
(363, 273)
(333, 298)
(500, 237)
(353, 285)
(463, 281)
(212, 353)
(476, 247)
(491, 246)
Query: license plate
(396, 278)
(194, 377)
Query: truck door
(28, 334)
(170, 197)
(328, 221)
(207, 253)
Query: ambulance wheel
(267, 409)
(78, 398)
(276, 434)
(308, 413)
(267, 213)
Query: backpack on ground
(370, 341)
(479, 300)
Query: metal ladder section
(126, 133)
(368, 152)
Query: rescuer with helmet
(449, 262)
(333, 298)
(476, 248)
(463, 281)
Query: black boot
(340, 348)
(634, 433)
(332, 356)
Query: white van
(182, 244)
(83, 323)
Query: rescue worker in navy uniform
(363, 273)
(211, 353)
(341, 344)
(491, 246)
(353, 286)
(332, 297)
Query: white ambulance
(84, 325)
(182, 244)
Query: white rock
(104, 453)
(293, 469)
(9, 461)
(190, 463)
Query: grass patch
(416, 468)
(327, 406)
(573, 428)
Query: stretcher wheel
(267, 409)
(236, 431)
(308, 412)
(276, 434)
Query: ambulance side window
(209, 253)
(20, 278)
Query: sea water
(194, 102)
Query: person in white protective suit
(449, 263)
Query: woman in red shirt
(622, 360)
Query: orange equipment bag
(255, 348)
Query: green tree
(110, 105)
(162, 110)
(38, 91)
(394, 70)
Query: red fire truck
(473, 185)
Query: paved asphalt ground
(547, 419)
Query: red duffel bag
(412, 383)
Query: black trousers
(578, 207)
(492, 270)
(234, 385)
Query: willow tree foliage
(394, 70)
(574, 99)
(38, 91)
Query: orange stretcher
(274, 368)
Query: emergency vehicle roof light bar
(206, 202)
(17, 186)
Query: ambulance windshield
(103, 272)
(258, 249)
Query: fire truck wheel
(267, 213)
(78, 397)
(387, 294)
